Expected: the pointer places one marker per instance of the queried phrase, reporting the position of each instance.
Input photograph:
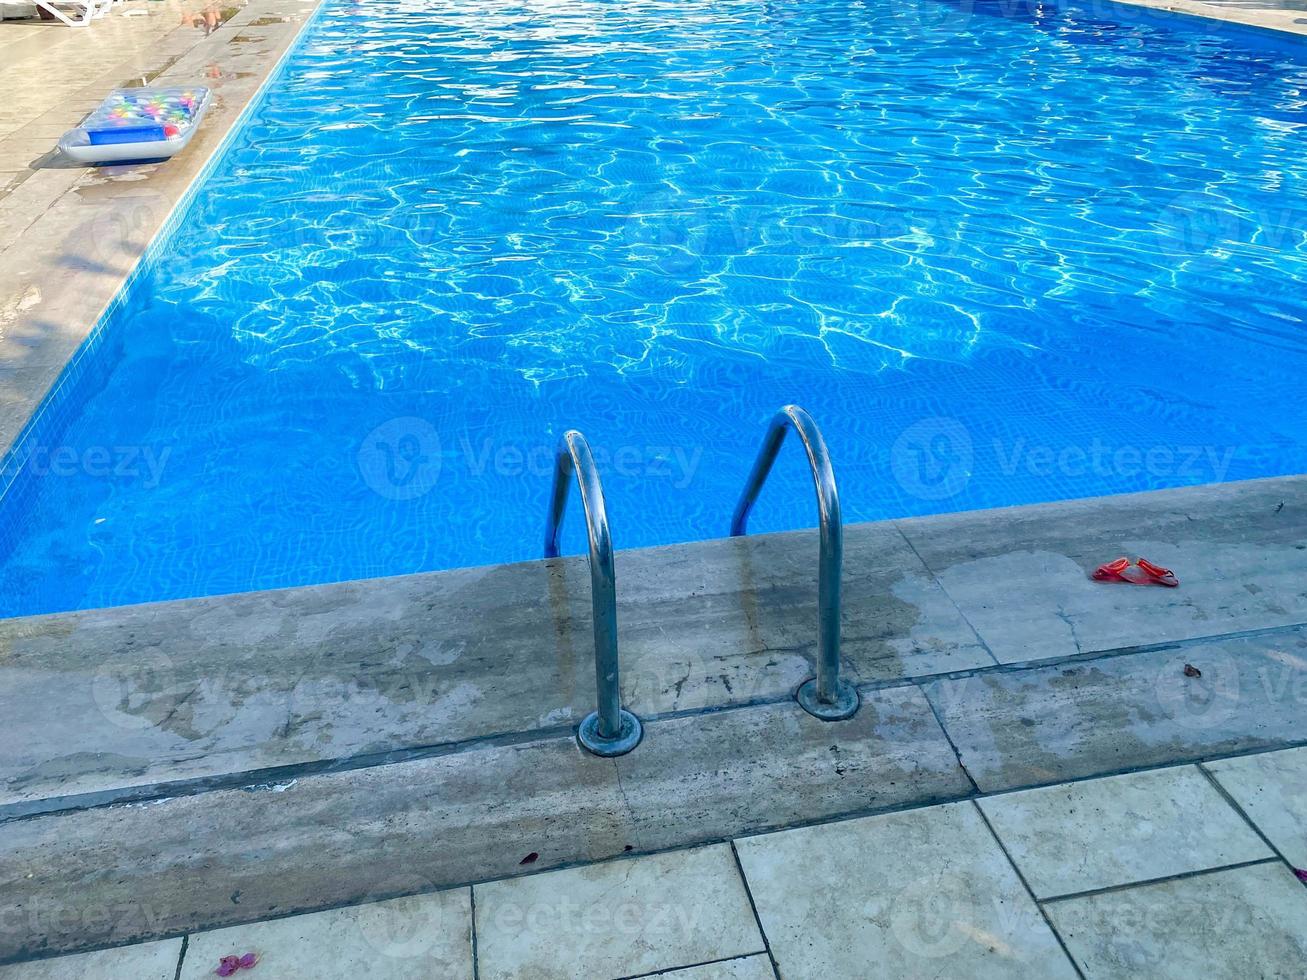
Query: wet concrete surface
(488, 670)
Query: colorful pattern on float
(171, 110)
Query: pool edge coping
(1292, 24)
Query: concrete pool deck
(1283, 16)
(202, 764)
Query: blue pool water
(1002, 253)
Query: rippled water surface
(1003, 254)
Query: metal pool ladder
(610, 730)
(825, 696)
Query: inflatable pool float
(137, 124)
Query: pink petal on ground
(1302, 875)
(226, 969)
(248, 960)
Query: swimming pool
(1002, 254)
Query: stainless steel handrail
(610, 730)
(826, 696)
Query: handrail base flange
(594, 743)
(844, 706)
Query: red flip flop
(1143, 572)
(1112, 571)
(1160, 575)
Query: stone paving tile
(1021, 575)
(1021, 728)
(755, 769)
(416, 938)
(148, 961)
(1120, 830)
(744, 968)
(912, 894)
(1237, 924)
(616, 919)
(1272, 789)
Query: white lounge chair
(83, 11)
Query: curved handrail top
(574, 456)
(829, 515)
